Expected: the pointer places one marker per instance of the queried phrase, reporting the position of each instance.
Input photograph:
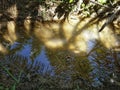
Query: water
(62, 62)
(31, 54)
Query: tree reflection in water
(64, 67)
(46, 67)
(27, 64)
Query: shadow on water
(37, 59)
(64, 67)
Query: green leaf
(13, 87)
(6, 88)
(83, 5)
(70, 1)
(1, 87)
(102, 1)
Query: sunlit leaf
(83, 5)
(70, 1)
(102, 1)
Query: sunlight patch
(3, 49)
(55, 43)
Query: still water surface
(92, 69)
(95, 68)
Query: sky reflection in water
(96, 73)
(41, 57)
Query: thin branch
(100, 4)
(111, 18)
(9, 73)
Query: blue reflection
(40, 59)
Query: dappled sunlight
(74, 35)
(8, 26)
(7, 38)
(55, 43)
(43, 35)
(108, 38)
(3, 49)
(69, 26)
(84, 42)
(50, 44)
(13, 11)
(12, 31)
(78, 47)
(49, 34)
(27, 25)
(79, 37)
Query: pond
(38, 60)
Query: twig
(100, 4)
(111, 18)
(9, 73)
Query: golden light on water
(73, 34)
(81, 36)
(108, 38)
(11, 31)
(55, 43)
(13, 11)
(3, 49)
(27, 25)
